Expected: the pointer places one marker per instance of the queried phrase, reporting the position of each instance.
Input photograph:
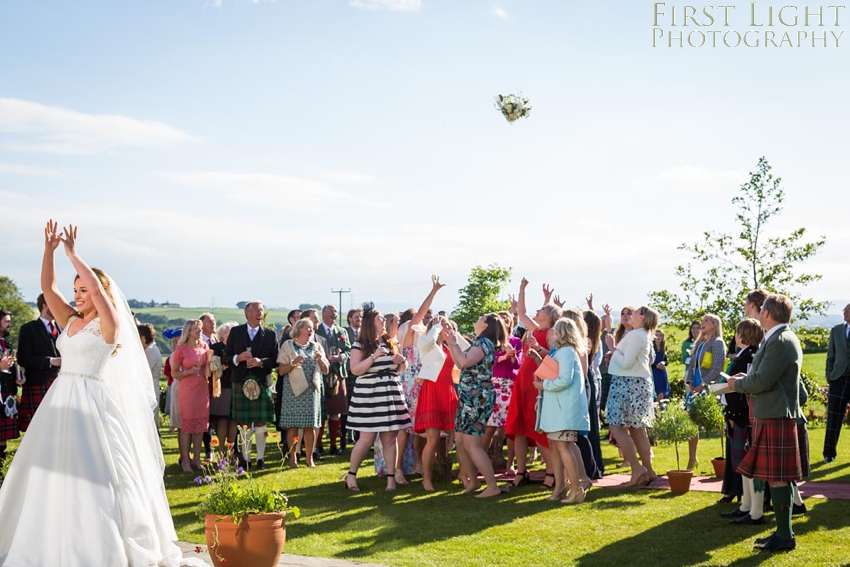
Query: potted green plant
(674, 425)
(244, 520)
(707, 414)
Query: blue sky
(238, 149)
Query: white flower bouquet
(512, 107)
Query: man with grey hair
(253, 350)
(338, 349)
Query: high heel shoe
(576, 496)
(548, 486)
(351, 487)
(521, 479)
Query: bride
(85, 487)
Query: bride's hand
(69, 239)
(51, 237)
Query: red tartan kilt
(31, 398)
(8, 425)
(774, 454)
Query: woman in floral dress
(476, 397)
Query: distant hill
(834, 315)
(277, 317)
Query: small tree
(11, 300)
(673, 425)
(706, 413)
(732, 265)
(481, 295)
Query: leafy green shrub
(674, 425)
(707, 414)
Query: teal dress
(476, 394)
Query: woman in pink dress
(191, 365)
(504, 373)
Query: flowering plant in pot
(674, 425)
(244, 520)
(707, 414)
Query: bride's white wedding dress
(83, 489)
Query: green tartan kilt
(244, 410)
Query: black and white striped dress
(377, 403)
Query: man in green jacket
(773, 383)
(838, 375)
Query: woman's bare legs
(432, 441)
(401, 446)
(358, 453)
(388, 442)
(627, 446)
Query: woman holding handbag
(563, 414)
(707, 362)
(301, 364)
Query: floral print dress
(476, 394)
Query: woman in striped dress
(377, 404)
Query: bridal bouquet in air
(512, 107)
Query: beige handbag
(297, 379)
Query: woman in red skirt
(774, 383)
(522, 413)
(437, 405)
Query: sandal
(548, 486)
(350, 487)
(521, 479)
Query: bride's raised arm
(59, 306)
(105, 309)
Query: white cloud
(692, 173)
(392, 5)
(28, 170)
(41, 128)
(267, 190)
(349, 177)
(499, 12)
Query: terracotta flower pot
(680, 481)
(719, 467)
(256, 541)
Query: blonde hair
(187, 326)
(716, 334)
(577, 317)
(553, 311)
(105, 283)
(567, 333)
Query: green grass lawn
(613, 527)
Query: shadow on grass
(691, 539)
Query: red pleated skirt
(437, 404)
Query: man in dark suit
(354, 317)
(8, 386)
(773, 383)
(838, 375)
(337, 347)
(40, 359)
(253, 350)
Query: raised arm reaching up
(59, 306)
(522, 311)
(89, 282)
(436, 286)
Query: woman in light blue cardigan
(563, 411)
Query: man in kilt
(338, 349)
(773, 383)
(8, 385)
(39, 357)
(253, 350)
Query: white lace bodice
(85, 353)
